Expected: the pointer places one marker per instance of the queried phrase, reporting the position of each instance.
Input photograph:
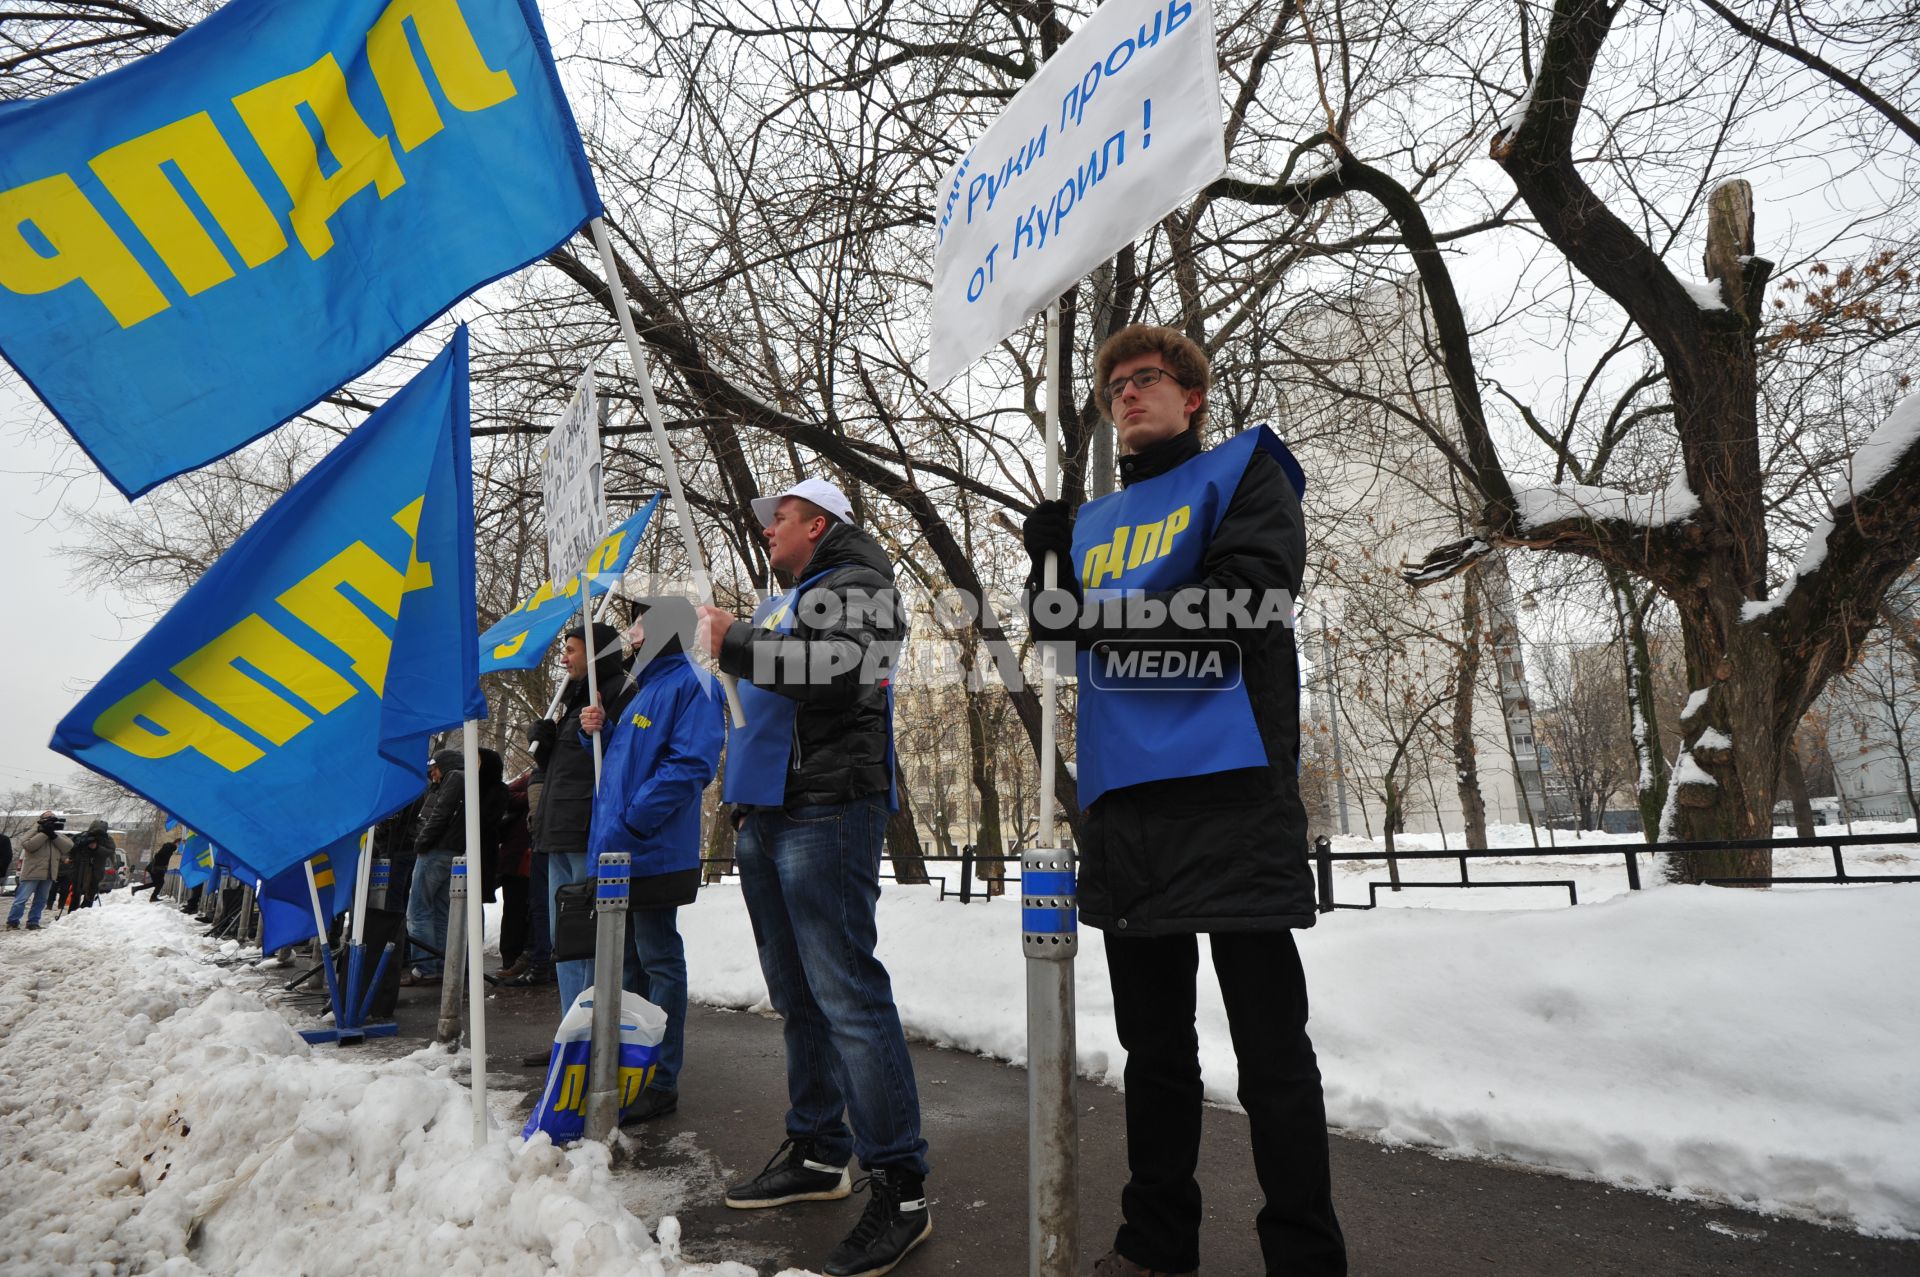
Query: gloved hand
(543, 732)
(1049, 527)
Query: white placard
(573, 501)
(1117, 130)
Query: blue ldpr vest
(1153, 536)
(758, 754)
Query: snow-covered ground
(158, 1117)
(1759, 1048)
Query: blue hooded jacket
(660, 757)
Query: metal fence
(968, 886)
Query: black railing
(1324, 858)
(974, 887)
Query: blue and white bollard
(453, 963)
(612, 892)
(1050, 927)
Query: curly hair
(1182, 355)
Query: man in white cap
(810, 779)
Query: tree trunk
(903, 841)
(1720, 793)
(988, 842)
(1643, 718)
(1795, 778)
(1466, 676)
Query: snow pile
(1556, 502)
(1624, 1041)
(158, 1117)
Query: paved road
(1404, 1212)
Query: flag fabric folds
(286, 908)
(202, 244)
(521, 637)
(196, 861)
(288, 698)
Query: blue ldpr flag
(287, 699)
(199, 245)
(519, 639)
(195, 862)
(286, 908)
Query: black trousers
(1266, 999)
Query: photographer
(92, 853)
(40, 855)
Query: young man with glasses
(1177, 593)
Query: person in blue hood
(661, 754)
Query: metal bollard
(1049, 925)
(379, 879)
(453, 963)
(609, 961)
(1323, 871)
(245, 931)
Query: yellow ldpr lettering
(605, 555)
(156, 722)
(322, 871)
(501, 651)
(458, 65)
(132, 172)
(1104, 561)
(573, 1088)
(317, 600)
(214, 673)
(85, 249)
(1146, 543)
(1176, 523)
(272, 115)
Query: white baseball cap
(818, 491)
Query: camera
(52, 824)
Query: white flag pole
(1048, 939)
(362, 877)
(592, 650)
(703, 584)
(476, 937)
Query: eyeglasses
(1141, 380)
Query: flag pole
(703, 584)
(476, 929)
(341, 1031)
(1048, 939)
(592, 650)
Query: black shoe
(536, 1059)
(791, 1176)
(653, 1102)
(896, 1220)
(13, 926)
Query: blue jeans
(656, 969)
(811, 878)
(36, 890)
(565, 867)
(427, 901)
(539, 948)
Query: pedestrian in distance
(41, 853)
(440, 835)
(810, 783)
(515, 864)
(661, 754)
(157, 865)
(1193, 822)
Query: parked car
(116, 875)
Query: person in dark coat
(157, 869)
(1195, 822)
(564, 757)
(393, 841)
(810, 779)
(514, 867)
(440, 836)
(6, 855)
(92, 853)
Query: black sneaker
(896, 1220)
(791, 1176)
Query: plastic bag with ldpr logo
(562, 1110)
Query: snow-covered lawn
(158, 1117)
(1760, 1048)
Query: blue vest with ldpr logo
(759, 753)
(1153, 536)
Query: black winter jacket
(1225, 851)
(443, 814)
(564, 760)
(848, 628)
